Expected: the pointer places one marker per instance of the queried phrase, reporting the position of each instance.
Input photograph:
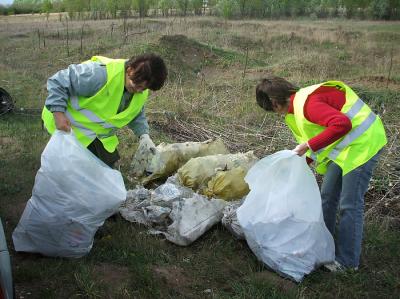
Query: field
(214, 66)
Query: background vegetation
(363, 9)
(214, 66)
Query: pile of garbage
(179, 213)
(274, 204)
(205, 176)
(206, 167)
(175, 211)
(170, 157)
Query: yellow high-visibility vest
(97, 116)
(365, 139)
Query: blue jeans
(346, 192)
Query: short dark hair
(274, 89)
(150, 68)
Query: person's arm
(139, 124)
(140, 128)
(78, 79)
(324, 109)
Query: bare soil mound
(188, 58)
(186, 55)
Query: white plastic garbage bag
(74, 193)
(282, 216)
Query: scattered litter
(140, 193)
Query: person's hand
(143, 156)
(145, 142)
(301, 149)
(62, 122)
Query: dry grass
(211, 91)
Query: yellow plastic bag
(198, 171)
(228, 185)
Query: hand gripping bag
(74, 192)
(282, 216)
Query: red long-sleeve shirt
(323, 107)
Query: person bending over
(99, 96)
(338, 131)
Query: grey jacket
(86, 80)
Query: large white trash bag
(282, 216)
(74, 193)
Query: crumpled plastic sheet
(169, 192)
(230, 221)
(172, 210)
(192, 217)
(151, 207)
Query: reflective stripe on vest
(352, 135)
(355, 108)
(90, 115)
(85, 131)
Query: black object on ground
(6, 102)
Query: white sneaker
(335, 267)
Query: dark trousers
(97, 148)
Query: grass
(207, 95)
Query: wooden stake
(38, 33)
(245, 65)
(390, 67)
(67, 40)
(81, 51)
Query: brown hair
(150, 68)
(274, 90)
